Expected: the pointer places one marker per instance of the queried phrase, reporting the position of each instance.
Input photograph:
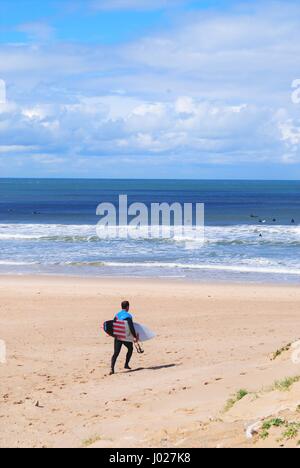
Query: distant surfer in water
(124, 315)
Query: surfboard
(120, 330)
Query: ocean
(252, 230)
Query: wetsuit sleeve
(131, 327)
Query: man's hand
(137, 339)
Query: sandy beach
(212, 341)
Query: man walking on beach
(124, 315)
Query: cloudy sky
(150, 88)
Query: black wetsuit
(119, 344)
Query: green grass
(285, 384)
(264, 434)
(273, 423)
(232, 401)
(280, 351)
(91, 441)
(290, 432)
(267, 425)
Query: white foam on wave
(16, 263)
(218, 257)
(238, 234)
(165, 266)
(216, 267)
(44, 231)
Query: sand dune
(213, 340)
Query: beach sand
(212, 341)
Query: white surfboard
(145, 334)
(123, 333)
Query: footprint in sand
(186, 410)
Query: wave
(37, 244)
(187, 266)
(16, 263)
(214, 235)
(47, 232)
(257, 266)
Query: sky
(150, 89)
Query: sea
(252, 230)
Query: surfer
(124, 315)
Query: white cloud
(37, 30)
(6, 149)
(215, 89)
(100, 126)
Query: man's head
(125, 305)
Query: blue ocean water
(252, 230)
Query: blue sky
(149, 88)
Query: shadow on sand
(166, 366)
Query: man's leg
(129, 346)
(118, 346)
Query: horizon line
(152, 179)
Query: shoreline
(146, 279)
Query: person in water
(124, 315)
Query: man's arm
(131, 328)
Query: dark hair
(125, 305)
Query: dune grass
(267, 425)
(286, 384)
(90, 441)
(280, 351)
(237, 397)
(290, 431)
